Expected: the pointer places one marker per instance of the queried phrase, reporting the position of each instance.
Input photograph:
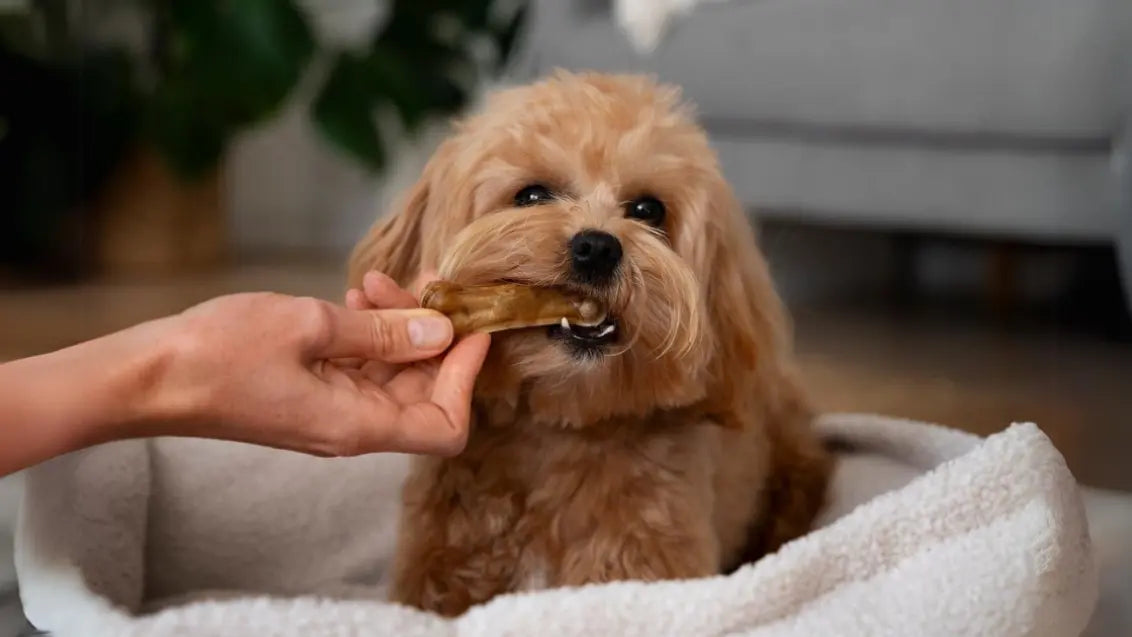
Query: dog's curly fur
(682, 452)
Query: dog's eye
(647, 209)
(533, 195)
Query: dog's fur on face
(698, 390)
(693, 300)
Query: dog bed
(191, 537)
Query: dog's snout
(594, 255)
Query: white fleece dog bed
(188, 537)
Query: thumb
(393, 336)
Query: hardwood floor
(961, 373)
(979, 378)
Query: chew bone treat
(508, 306)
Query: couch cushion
(1039, 196)
(1019, 67)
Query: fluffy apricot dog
(672, 440)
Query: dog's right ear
(393, 244)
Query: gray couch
(974, 117)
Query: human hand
(311, 376)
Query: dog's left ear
(754, 381)
(750, 364)
(395, 242)
(392, 244)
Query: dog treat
(508, 306)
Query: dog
(671, 441)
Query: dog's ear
(750, 368)
(394, 244)
(755, 383)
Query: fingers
(383, 322)
(356, 300)
(413, 384)
(384, 293)
(423, 279)
(393, 336)
(379, 292)
(405, 421)
(424, 428)
(456, 379)
(440, 426)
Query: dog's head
(603, 185)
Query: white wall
(286, 187)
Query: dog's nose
(594, 255)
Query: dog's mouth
(585, 336)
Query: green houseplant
(75, 107)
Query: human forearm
(90, 393)
(262, 368)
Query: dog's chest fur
(545, 485)
(527, 506)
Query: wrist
(128, 391)
(153, 396)
(120, 383)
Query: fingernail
(427, 332)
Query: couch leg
(1001, 288)
(1123, 163)
(1124, 261)
(905, 267)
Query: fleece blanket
(187, 537)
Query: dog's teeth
(565, 324)
(606, 330)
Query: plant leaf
(188, 129)
(228, 64)
(399, 81)
(344, 110)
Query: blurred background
(940, 186)
(944, 189)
